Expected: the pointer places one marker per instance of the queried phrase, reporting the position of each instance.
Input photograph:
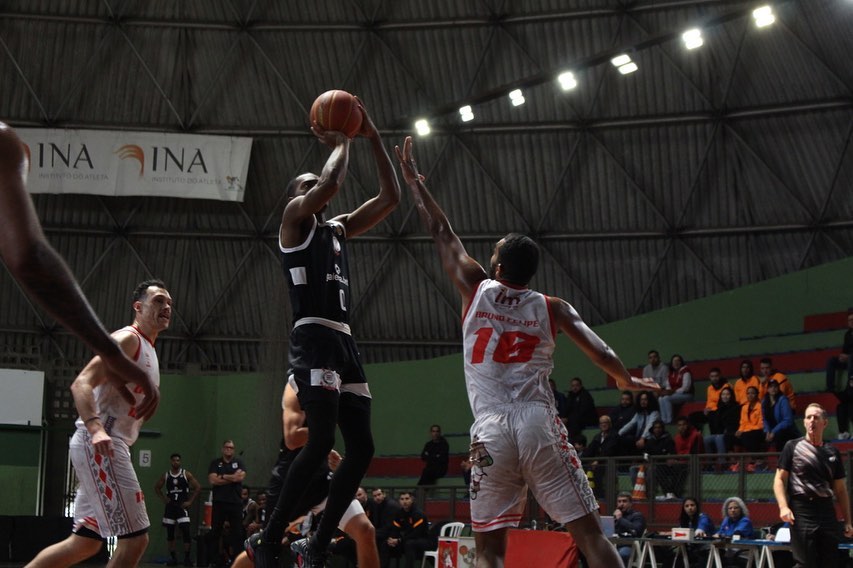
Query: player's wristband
(90, 419)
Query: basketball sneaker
(307, 556)
(262, 554)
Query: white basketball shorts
(516, 446)
(109, 500)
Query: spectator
(226, 475)
(624, 412)
(409, 533)
(638, 427)
(660, 443)
(250, 510)
(778, 417)
(580, 408)
(435, 454)
(843, 360)
(181, 490)
(466, 466)
(692, 517)
(261, 517)
(717, 384)
(723, 423)
(627, 523)
(766, 373)
(604, 444)
(680, 388)
(579, 442)
(560, 402)
(361, 497)
(844, 410)
(382, 512)
(688, 441)
(735, 522)
(747, 379)
(658, 371)
(750, 433)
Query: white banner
(110, 162)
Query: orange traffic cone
(639, 493)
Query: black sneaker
(262, 554)
(307, 556)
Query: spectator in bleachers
(843, 360)
(657, 370)
(778, 417)
(750, 433)
(735, 522)
(723, 423)
(559, 402)
(680, 388)
(381, 512)
(436, 456)
(844, 410)
(580, 408)
(579, 442)
(638, 427)
(409, 533)
(688, 441)
(660, 443)
(604, 444)
(620, 416)
(716, 382)
(627, 522)
(766, 373)
(747, 379)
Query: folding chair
(450, 530)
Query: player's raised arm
(309, 194)
(378, 207)
(567, 320)
(47, 279)
(465, 272)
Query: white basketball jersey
(508, 338)
(117, 416)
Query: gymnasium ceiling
(704, 171)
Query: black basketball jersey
(318, 274)
(177, 487)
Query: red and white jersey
(508, 339)
(117, 416)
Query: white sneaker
(661, 497)
(844, 436)
(671, 497)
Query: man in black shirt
(843, 360)
(325, 366)
(435, 455)
(226, 475)
(409, 533)
(809, 474)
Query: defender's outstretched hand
(407, 162)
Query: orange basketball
(337, 110)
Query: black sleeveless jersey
(177, 487)
(318, 274)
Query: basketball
(337, 110)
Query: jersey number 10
(512, 347)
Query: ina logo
(133, 152)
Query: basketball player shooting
(325, 367)
(517, 440)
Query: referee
(810, 473)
